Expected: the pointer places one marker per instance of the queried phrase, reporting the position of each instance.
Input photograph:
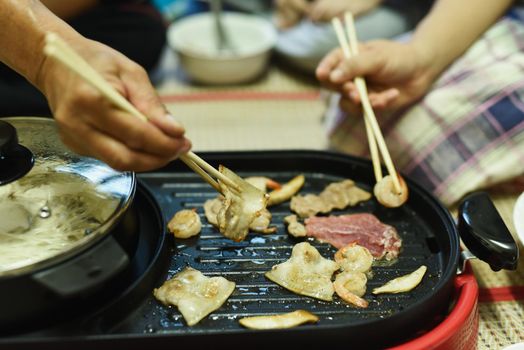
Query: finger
(383, 99)
(134, 133)
(140, 92)
(328, 64)
(358, 66)
(112, 152)
(169, 125)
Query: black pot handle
(485, 234)
(15, 159)
(85, 272)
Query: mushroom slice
(185, 223)
(280, 321)
(354, 257)
(241, 206)
(386, 195)
(194, 294)
(287, 191)
(403, 283)
(295, 228)
(306, 272)
(350, 286)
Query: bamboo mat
(285, 111)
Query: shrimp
(354, 258)
(387, 195)
(350, 286)
(185, 223)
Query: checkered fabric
(468, 131)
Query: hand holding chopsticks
(59, 50)
(391, 191)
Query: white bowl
(194, 40)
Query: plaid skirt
(467, 133)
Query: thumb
(360, 65)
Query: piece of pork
(306, 272)
(195, 295)
(240, 207)
(338, 195)
(365, 229)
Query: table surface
(284, 110)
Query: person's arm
(400, 73)
(24, 24)
(325, 10)
(87, 122)
(451, 28)
(68, 9)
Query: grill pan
(429, 237)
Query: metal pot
(66, 225)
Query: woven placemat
(283, 110)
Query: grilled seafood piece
(386, 194)
(280, 321)
(185, 223)
(195, 295)
(355, 258)
(350, 286)
(306, 272)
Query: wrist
(429, 62)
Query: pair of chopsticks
(59, 50)
(350, 48)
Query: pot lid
(51, 199)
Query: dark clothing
(134, 28)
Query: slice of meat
(240, 207)
(194, 294)
(338, 195)
(365, 229)
(260, 224)
(306, 272)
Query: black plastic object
(429, 236)
(485, 234)
(15, 159)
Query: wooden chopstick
(346, 50)
(59, 50)
(369, 114)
